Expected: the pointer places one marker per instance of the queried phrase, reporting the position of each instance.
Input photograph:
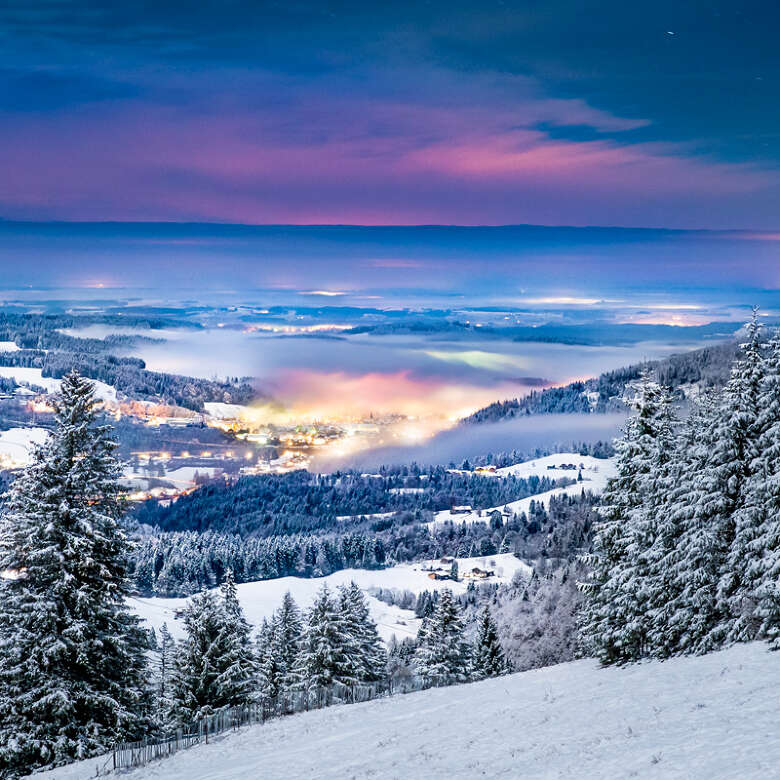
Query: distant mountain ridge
(700, 368)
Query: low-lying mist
(469, 441)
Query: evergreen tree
(210, 672)
(614, 622)
(368, 658)
(727, 474)
(167, 653)
(685, 564)
(287, 640)
(443, 656)
(268, 668)
(72, 658)
(488, 656)
(278, 649)
(755, 551)
(239, 677)
(325, 646)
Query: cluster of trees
(687, 556)
(272, 504)
(182, 563)
(707, 367)
(219, 664)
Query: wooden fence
(135, 754)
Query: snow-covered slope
(701, 718)
(35, 378)
(595, 473)
(260, 599)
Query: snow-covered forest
(687, 555)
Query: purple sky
(448, 113)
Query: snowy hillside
(595, 473)
(697, 718)
(260, 599)
(35, 378)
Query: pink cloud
(356, 161)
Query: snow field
(260, 599)
(695, 718)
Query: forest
(707, 368)
(272, 504)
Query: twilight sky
(557, 112)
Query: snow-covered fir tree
(368, 658)
(72, 658)
(268, 669)
(684, 561)
(211, 670)
(727, 474)
(488, 657)
(240, 673)
(443, 656)
(166, 649)
(755, 550)
(278, 649)
(326, 645)
(614, 620)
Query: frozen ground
(260, 599)
(708, 718)
(595, 473)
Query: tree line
(707, 367)
(300, 501)
(181, 563)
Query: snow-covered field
(595, 473)
(699, 718)
(260, 599)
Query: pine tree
(368, 658)
(278, 649)
(325, 646)
(268, 667)
(755, 551)
(443, 655)
(72, 657)
(287, 640)
(614, 624)
(685, 565)
(167, 655)
(488, 655)
(727, 474)
(211, 670)
(239, 678)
